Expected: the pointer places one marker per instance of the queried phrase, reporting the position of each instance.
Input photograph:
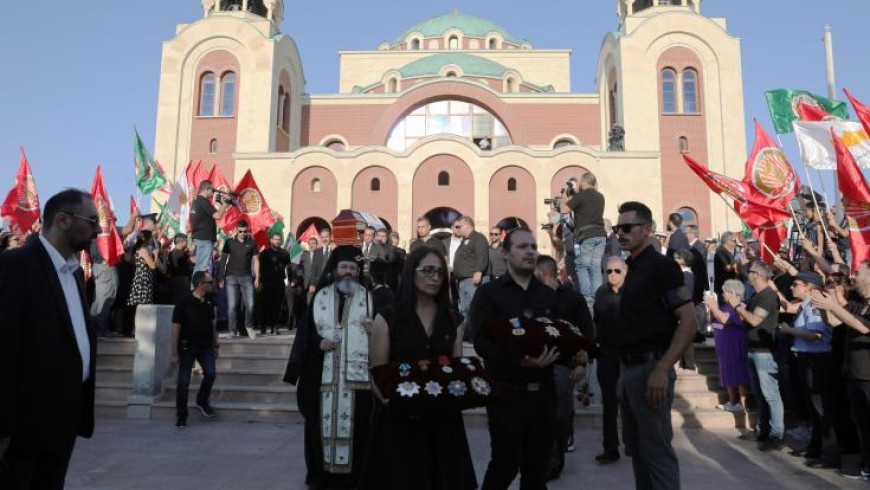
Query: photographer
(203, 223)
(587, 206)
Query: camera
(569, 189)
(547, 226)
(226, 197)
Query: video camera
(568, 191)
(228, 197)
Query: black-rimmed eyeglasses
(431, 271)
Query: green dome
(468, 24)
(470, 64)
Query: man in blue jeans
(587, 205)
(242, 275)
(203, 224)
(194, 337)
(761, 315)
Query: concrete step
(243, 395)
(237, 412)
(699, 399)
(114, 391)
(115, 345)
(273, 345)
(115, 361)
(696, 382)
(246, 378)
(251, 362)
(110, 409)
(111, 374)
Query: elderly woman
(730, 334)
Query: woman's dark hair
(5, 238)
(142, 238)
(406, 297)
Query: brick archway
(504, 202)
(383, 202)
(427, 194)
(307, 201)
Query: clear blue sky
(79, 75)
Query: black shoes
(607, 457)
(820, 463)
(752, 436)
(206, 410)
(771, 444)
(181, 422)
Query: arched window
(213, 146)
(451, 74)
(669, 90)
(493, 44)
(453, 42)
(454, 117)
(375, 185)
(512, 185)
(206, 95)
(280, 122)
(415, 44)
(335, 145)
(509, 85)
(228, 94)
(684, 144)
(393, 86)
(443, 179)
(562, 143)
(285, 120)
(690, 91)
(690, 217)
(315, 185)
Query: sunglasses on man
(626, 227)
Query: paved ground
(149, 454)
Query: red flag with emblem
(220, 183)
(770, 178)
(195, 175)
(252, 208)
(108, 240)
(21, 205)
(861, 110)
(856, 202)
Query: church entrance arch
(439, 180)
(511, 223)
(319, 223)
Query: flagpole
(744, 223)
(832, 94)
(816, 202)
(796, 222)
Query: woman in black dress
(431, 452)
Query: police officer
(520, 415)
(658, 324)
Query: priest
(329, 364)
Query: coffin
(347, 228)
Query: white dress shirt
(455, 242)
(66, 274)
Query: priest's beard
(345, 286)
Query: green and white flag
(167, 220)
(783, 104)
(149, 176)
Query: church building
(455, 115)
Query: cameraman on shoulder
(203, 224)
(587, 206)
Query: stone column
(152, 359)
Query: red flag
(134, 210)
(195, 175)
(856, 202)
(861, 110)
(108, 240)
(812, 113)
(21, 205)
(252, 208)
(770, 178)
(220, 183)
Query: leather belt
(640, 357)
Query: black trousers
(521, 437)
(859, 396)
(608, 376)
(271, 304)
(36, 471)
(817, 376)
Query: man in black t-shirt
(659, 323)
(590, 238)
(273, 262)
(242, 275)
(194, 337)
(855, 316)
(203, 224)
(180, 268)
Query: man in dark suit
(47, 348)
(677, 239)
(371, 249)
(312, 266)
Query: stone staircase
(249, 387)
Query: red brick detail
(427, 194)
(519, 203)
(563, 176)
(204, 129)
(306, 203)
(680, 186)
(383, 203)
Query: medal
(518, 329)
(552, 331)
(404, 369)
(457, 388)
(408, 389)
(433, 388)
(481, 386)
(424, 365)
(465, 361)
(471, 368)
(544, 319)
(447, 369)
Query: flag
(817, 148)
(220, 183)
(856, 202)
(167, 220)
(861, 110)
(108, 240)
(718, 183)
(302, 242)
(770, 178)
(21, 206)
(195, 175)
(252, 207)
(149, 177)
(784, 104)
(807, 112)
(179, 201)
(771, 234)
(134, 211)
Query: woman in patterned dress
(142, 289)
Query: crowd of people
(791, 335)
